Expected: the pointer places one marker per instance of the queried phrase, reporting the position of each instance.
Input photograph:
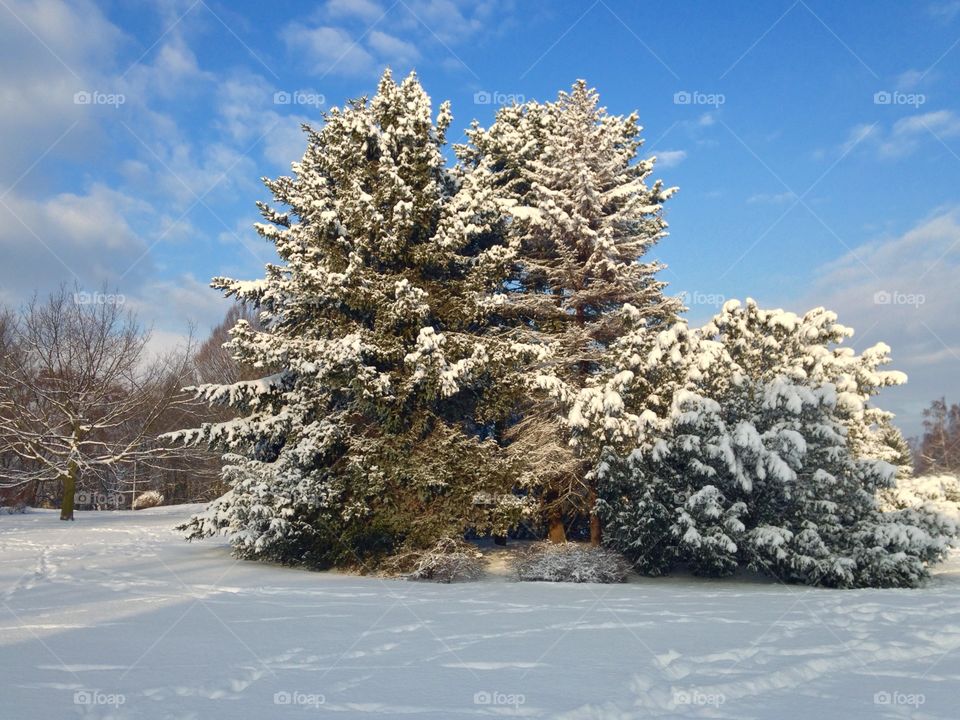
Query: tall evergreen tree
(583, 216)
(371, 428)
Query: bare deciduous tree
(938, 451)
(213, 362)
(80, 398)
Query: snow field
(114, 616)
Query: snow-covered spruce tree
(583, 215)
(370, 431)
(750, 452)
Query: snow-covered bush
(18, 509)
(756, 446)
(450, 560)
(937, 492)
(570, 562)
(148, 499)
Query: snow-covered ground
(114, 616)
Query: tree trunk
(596, 529)
(69, 490)
(557, 532)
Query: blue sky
(816, 144)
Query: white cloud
(902, 290)
(861, 133)
(366, 10)
(185, 175)
(348, 37)
(909, 79)
(164, 342)
(287, 142)
(941, 122)
(945, 11)
(184, 299)
(50, 51)
(670, 158)
(327, 49)
(456, 20)
(771, 198)
(701, 130)
(246, 111)
(90, 241)
(244, 249)
(392, 49)
(56, 26)
(905, 135)
(70, 238)
(241, 104)
(172, 308)
(173, 73)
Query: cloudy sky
(816, 144)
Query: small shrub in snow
(570, 562)
(149, 499)
(18, 509)
(448, 561)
